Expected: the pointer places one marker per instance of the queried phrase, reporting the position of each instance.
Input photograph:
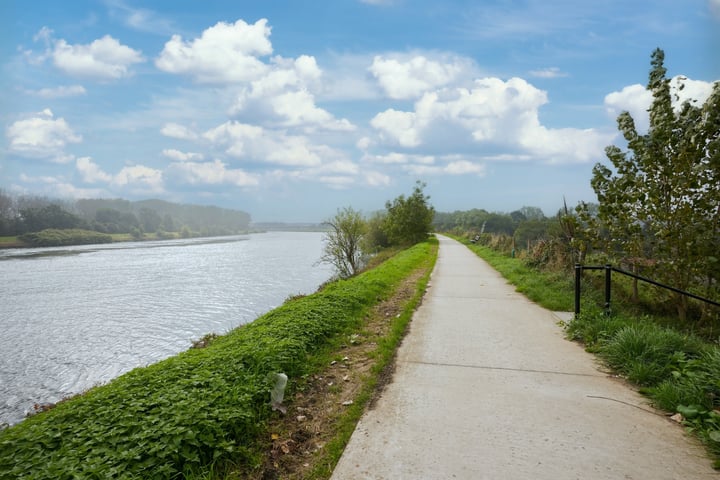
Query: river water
(75, 317)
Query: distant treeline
(525, 225)
(25, 214)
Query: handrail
(608, 273)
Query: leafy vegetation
(409, 219)
(351, 239)
(342, 242)
(660, 202)
(58, 238)
(200, 412)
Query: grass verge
(551, 290)
(200, 414)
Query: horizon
(290, 113)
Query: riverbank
(74, 237)
(205, 410)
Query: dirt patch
(297, 438)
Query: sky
(292, 110)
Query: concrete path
(486, 387)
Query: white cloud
(181, 156)
(399, 159)
(174, 130)
(376, 179)
(636, 99)
(104, 58)
(500, 115)
(397, 126)
(91, 171)
(282, 97)
(210, 173)
(59, 92)
(267, 146)
(224, 53)
(410, 78)
(456, 167)
(140, 178)
(551, 72)
(42, 136)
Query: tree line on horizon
(24, 214)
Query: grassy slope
(202, 408)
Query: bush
(60, 238)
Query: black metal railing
(608, 285)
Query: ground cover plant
(201, 411)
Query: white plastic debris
(278, 392)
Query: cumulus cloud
(257, 144)
(42, 136)
(174, 130)
(136, 178)
(224, 53)
(181, 156)
(283, 97)
(411, 77)
(91, 171)
(104, 58)
(636, 99)
(140, 178)
(500, 115)
(210, 173)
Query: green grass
(549, 289)
(201, 412)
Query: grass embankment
(678, 371)
(59, 238)
(205, 412)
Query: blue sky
(290, 110)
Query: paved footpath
(486, 387)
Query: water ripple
(75, 317)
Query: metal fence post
(578, 278)
(608, 274)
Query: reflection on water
(74, 317)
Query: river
(75, 317)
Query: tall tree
(342, 242)
(661, 201)
(409, 220)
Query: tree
(661, 201)
(342, 242)
(409, 220)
